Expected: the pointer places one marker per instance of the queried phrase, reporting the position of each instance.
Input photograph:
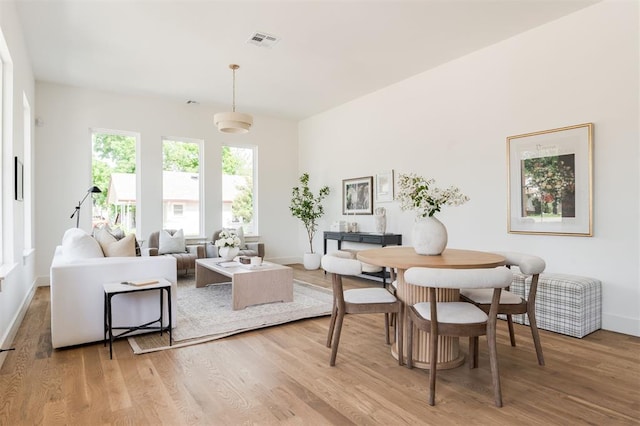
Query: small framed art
(357, 195)
(18, 179)
(384, 186)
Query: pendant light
(233, 122)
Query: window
(28, 244)
(239, 201)
(181, 185)
(114, 172)
(6, 102)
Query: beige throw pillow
(171, 243)
(113, 247)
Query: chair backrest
(527, 263)
(337, 267)
(499, 277)
(335, 264)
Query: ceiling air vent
(263, 39)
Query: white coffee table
(251, 285)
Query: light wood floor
(282, 375)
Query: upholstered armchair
(246, 248)
(171, 242)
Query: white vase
(429, 236)
(312, 261)
(228, 253)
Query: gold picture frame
(550, 178)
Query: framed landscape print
(550, 181)
(357, 195)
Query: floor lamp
(76, 212)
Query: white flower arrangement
(420, 194)
(228, 239)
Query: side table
(113, 289)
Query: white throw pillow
(168, 243)
(77, 244)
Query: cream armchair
(185, 255)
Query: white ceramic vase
(429, 236)
(312, 261)
(228, 253)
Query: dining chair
(357, 301)
(461, 319)
(511, 303)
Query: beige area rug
(205, 314)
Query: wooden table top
(406, 257)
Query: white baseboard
(620, 324)
(7, 339)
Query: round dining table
(401, 258)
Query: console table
(364, 238)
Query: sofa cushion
(113, 247)
(117, 233)
(168, 243)
(77, 244)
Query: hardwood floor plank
(282, 375)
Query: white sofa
(77, 295)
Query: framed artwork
(357, 195)
(550, 182)
(18, 179)
(384, 187)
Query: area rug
(205, 314)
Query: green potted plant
(307, 207)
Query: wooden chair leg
(473, 352)
(536, 336)
(336, 338)
(386, 328)
(493, 362)
(512, 334)
(433, 360)
(332, 324)
(409, 342)
(399, 333)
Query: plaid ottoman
(566, 304)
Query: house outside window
(114, 172)
(239, 195)
(182, 185)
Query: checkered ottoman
(566, 304)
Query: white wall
(63, 165)
(17, 288)
(451, 123)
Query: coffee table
(250, 285)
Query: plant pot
(228, 253)
(429, 236)
(312, 261)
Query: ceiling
(328, 53)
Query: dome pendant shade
(233, 122)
